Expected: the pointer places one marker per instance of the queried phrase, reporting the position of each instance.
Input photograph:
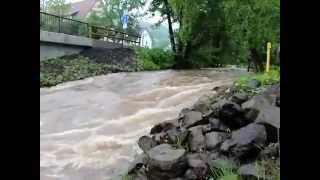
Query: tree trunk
(173, 45)
(255, 60)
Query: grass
(266, 78)
(223, 174)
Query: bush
(154, 59)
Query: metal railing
(54, 23)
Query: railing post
(59, 24)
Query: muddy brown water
(89, 128)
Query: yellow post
(268, 56)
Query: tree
(166, 12)
(111, 11)
(57, 7)
(250, 25)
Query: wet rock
(193, 118)
(254, 84)
(246, 142)
(239, 98)
(177, 135)
(164, 126)
(196, 139)
(214, 139)
(249, 172)
(165, 162)
(146, 143)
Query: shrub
(154, 59)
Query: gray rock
(246, 142)
(196, 139)
(140, 175)
(239, 98)
(214, 139)
(177, 134)
(146, 143)
(203, 104)
(254, 84)
(165, 162)
(193, 118)
(179, 178)
(249, 171)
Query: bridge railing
(54, 23)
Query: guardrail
(53, 23)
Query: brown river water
(89, 128)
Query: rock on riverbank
(224, 129)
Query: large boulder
(193, 118)
(196, 139)
(246, 142)
(146, 143)
(165, 162)
(214, 139)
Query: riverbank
(231, 133)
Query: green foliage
(154, 59)
(111, 12)
(250, 25)
(57, 7)
(272, 77)
(222, 174)
(70, 68)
